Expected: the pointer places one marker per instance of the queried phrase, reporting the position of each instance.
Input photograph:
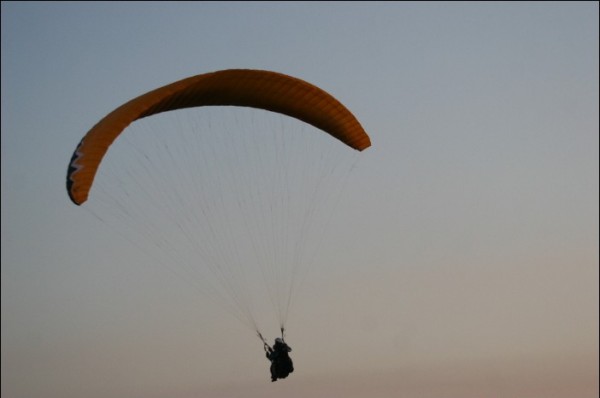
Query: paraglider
(241, 215)
(239, 87)
(281, 363)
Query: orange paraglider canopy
(266, 90)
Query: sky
(462, 260)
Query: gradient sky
(463, 262)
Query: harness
(266, 345)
